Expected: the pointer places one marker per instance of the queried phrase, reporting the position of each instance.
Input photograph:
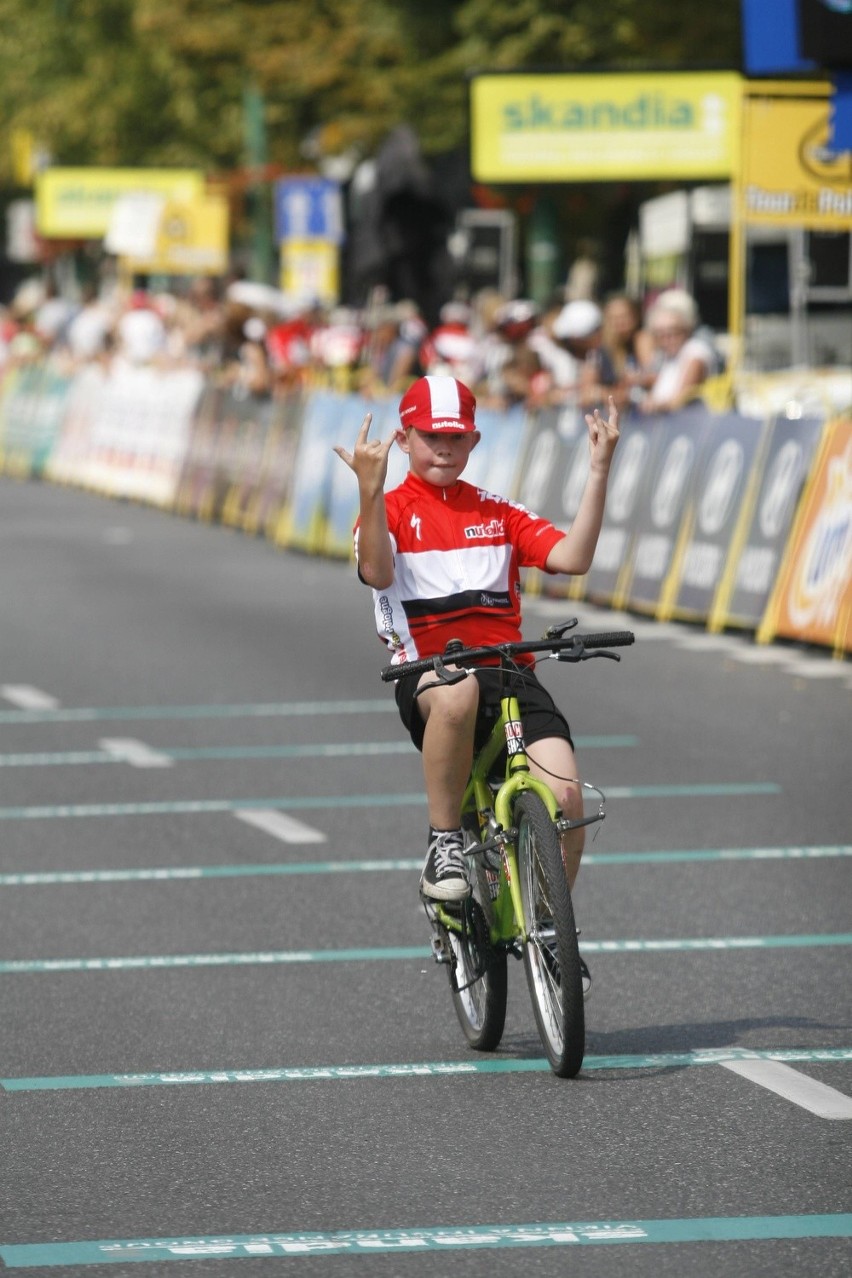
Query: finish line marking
(727, 1056)
(591, 860)
(808, 1093)
(16, 967)
(314, 802)
(27, 697)
(448, 1238)
(280, 825)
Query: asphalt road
(223, 1039)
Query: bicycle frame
(509, 923)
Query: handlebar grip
(610, 639)
(390, 674)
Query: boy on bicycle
(443, 559)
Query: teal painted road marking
(333, 750)
(261, 710)
(424, 1069)
(365, 1242)
(16, 967)
(337, 801)
(165, 874)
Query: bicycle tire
(551, 956)
(478, 981)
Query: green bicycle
(521, 903)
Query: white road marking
(280, 825)
(818, 1098)
(812, 668)
(118, 535)
(136, 753)
(26, 697)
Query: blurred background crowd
(253, 338)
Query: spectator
(623, 365)
(687, 359)
(88, 332)
(516, 374)
(390, 359)
(450, 349)
(562, 369)
(141, 332)
(578, 328)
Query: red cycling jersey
(457, 555)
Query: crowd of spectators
(260, 342)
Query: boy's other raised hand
(369, 458)
(603, 435)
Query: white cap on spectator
(579, 319)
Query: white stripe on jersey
(436, 574)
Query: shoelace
(448, 857)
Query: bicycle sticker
(514, 736)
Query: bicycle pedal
(439, 950)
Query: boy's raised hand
(369, 459)
(603, 436)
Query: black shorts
(541, 717)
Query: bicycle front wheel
(551, 956)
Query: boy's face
(438, 457)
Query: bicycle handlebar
(570, 649)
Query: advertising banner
(191, 239)
(127, 433)
(722, 488)
(78, 203)
(630, 477)
(597, 128)
(663, 503)
(753, 565)
(342, 507)
(790, 176)
(32, 407)
(812, 599)
(326, 423)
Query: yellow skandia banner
(78, 203)
(568, 128)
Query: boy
(442, 558)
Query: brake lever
(443, 676)
(582, 654)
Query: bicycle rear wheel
(551, 956)
(478, 980)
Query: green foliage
(161, 82)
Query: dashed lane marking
(808, 1093)
(280, 825)
(27, 697)
(135, 753)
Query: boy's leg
(449, 712)
(552, 760)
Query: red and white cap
(438, 404)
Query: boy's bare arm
(574, 553)
(369, 462)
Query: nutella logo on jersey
(387, 617)
(494, 528)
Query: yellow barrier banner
(812, 599)
(573, 128)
